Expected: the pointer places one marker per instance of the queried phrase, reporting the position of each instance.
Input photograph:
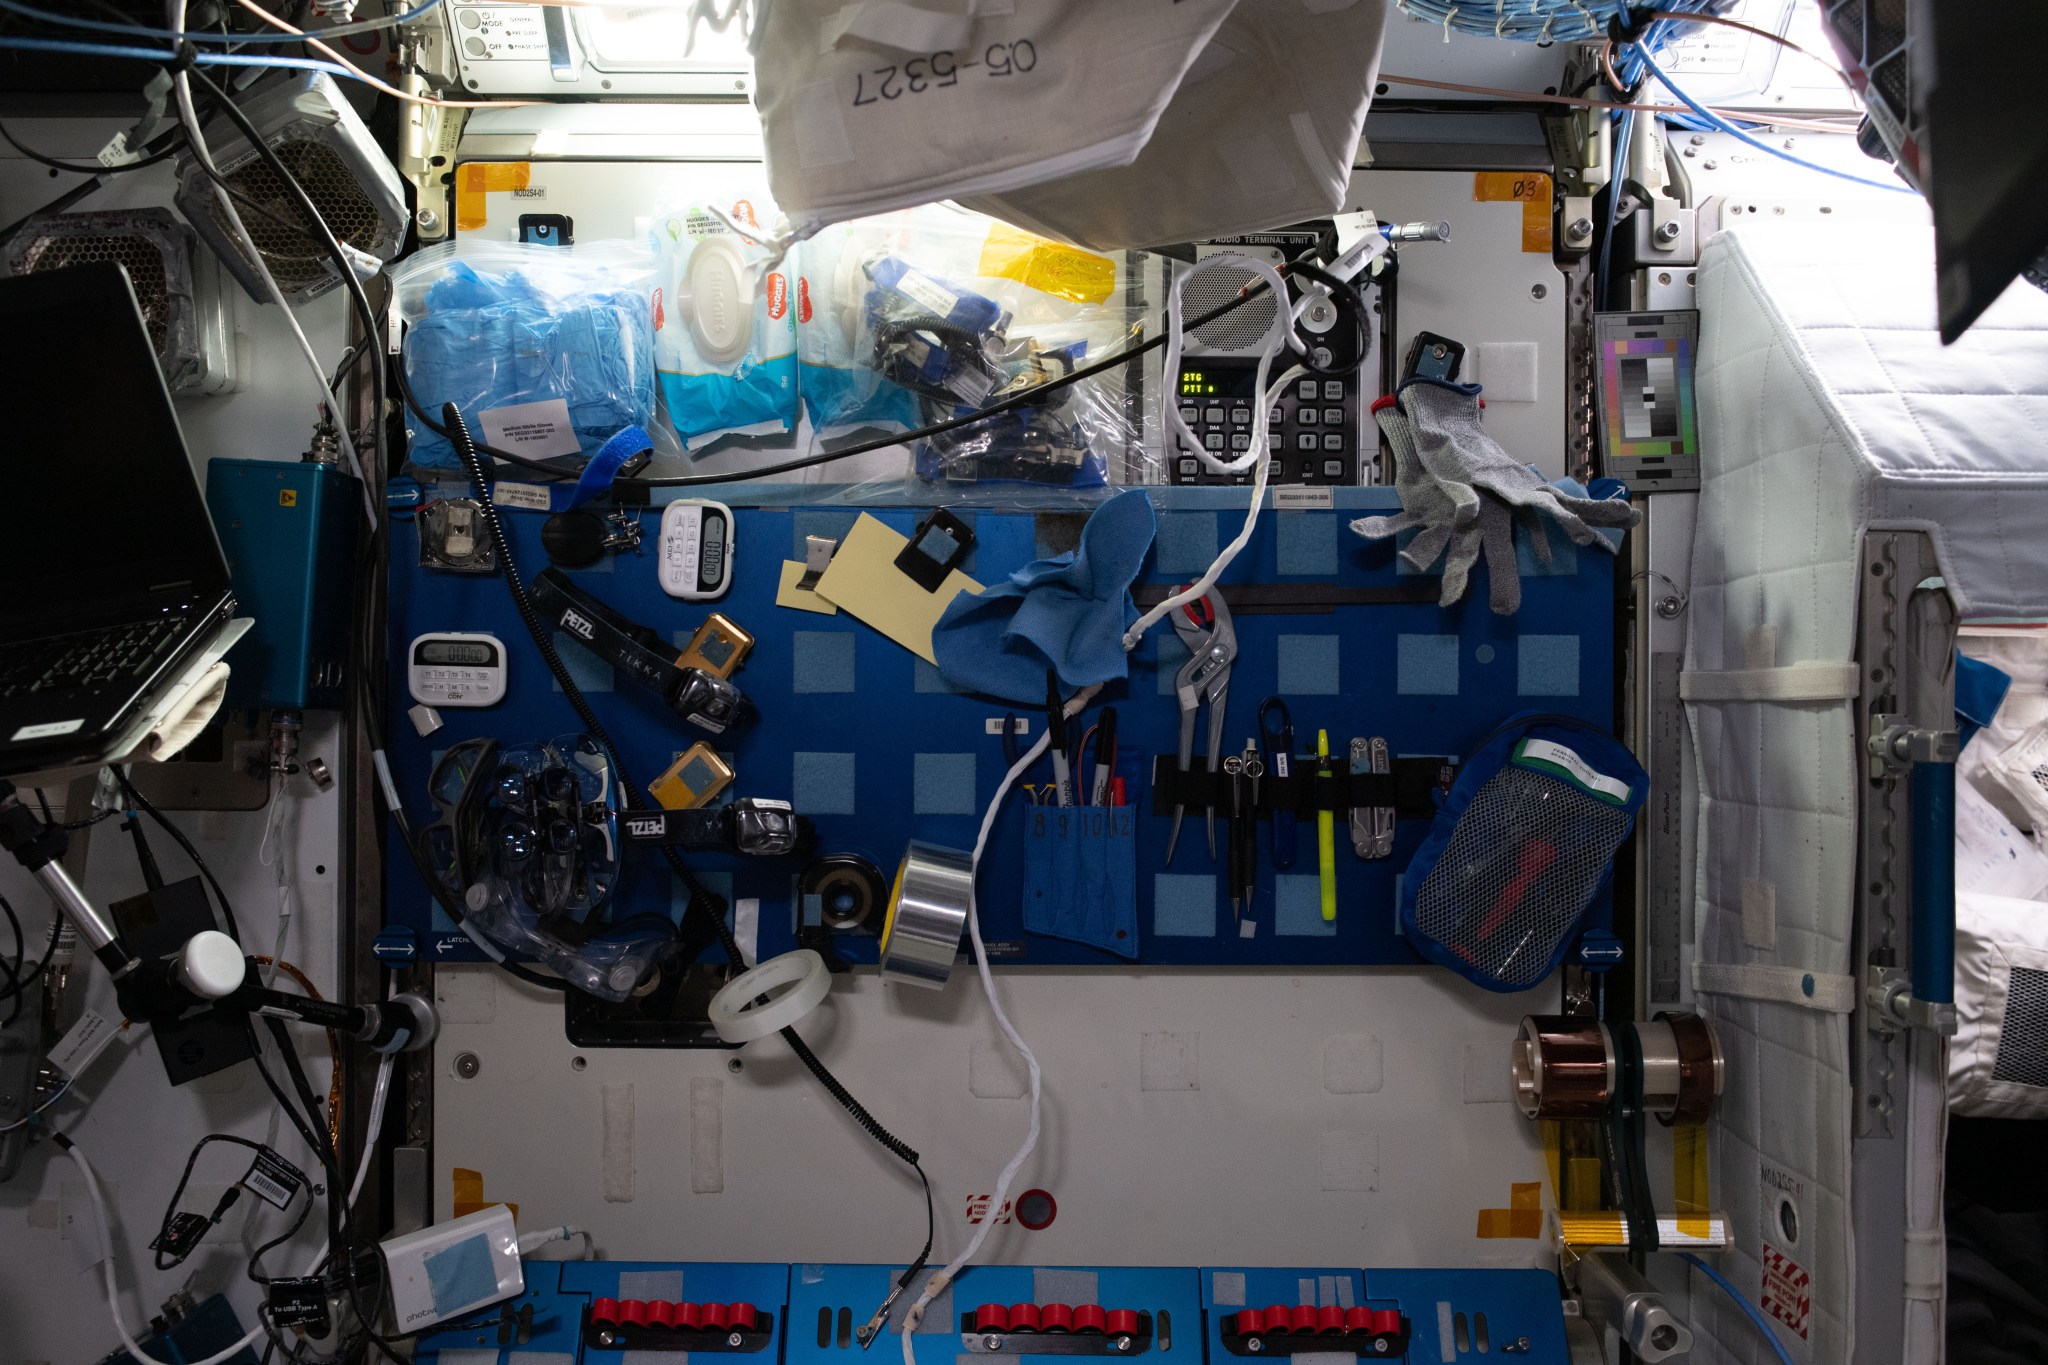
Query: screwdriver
(1326, 832)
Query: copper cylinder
(1562, 1067)
(1700, 1067)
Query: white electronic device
(696, 549)
(456, 668)
(454, 1267)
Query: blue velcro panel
(1305, 543)
(1186, 543)
(717, 883)
(1547, 666)
(1184, 906)
(590, 673)
(822, 784)
(1171, 654)
(942, 784)
(1298, 906)
(460, 1275)
(1426, 665)
(829, 522)
(925, 677)
(1564, 556)
(821, 661)
(1308, 666)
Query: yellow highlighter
(1326, 833)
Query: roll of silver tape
(927, 915)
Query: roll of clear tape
(739, 1020)
(927, 915)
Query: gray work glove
(1426, 508)
(1466, 462)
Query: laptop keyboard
(89, 661)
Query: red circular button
(1123, 1322)
(740, 1317)
(604, 1310)
(1358, 1319)
(1386, 1321)
(1089, 1317)
(1024, 1317)
(992, 1317)
(1056, 1317)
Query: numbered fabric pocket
(1081, 876)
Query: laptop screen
(100, 507)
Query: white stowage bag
(1261, 133)
(872, 105)
(1998, 1060)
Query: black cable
(15, 988)
(79, 168)
(143, 804)
(18, 990)
(226, 1202)
(1345, 295)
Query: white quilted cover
(1827, 406)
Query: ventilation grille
(1242, 329)
(144, 259)
(2023, 1040)
(272, 216)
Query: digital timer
(456, 668)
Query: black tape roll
(851, 891)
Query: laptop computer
(111, 578)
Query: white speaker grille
(1240, 330)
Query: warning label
(1787, 1290)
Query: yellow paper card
(788, 594)
(863, 581)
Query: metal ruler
(1664, 906)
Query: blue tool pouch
(1081, 875)
(1522, 846)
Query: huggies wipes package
(724, 327)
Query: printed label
(287, 497)
(533, 497)
(1787, 1290)
(778, 295)
(928, 292)
(1559, 761)
(270, 1180)
(1304, 498)
(743, 212)
(580, 624)
(537, 430)
(1053, 268)
(803, 299)
(1530, 189)
(85, 1040)
(659, 316)
(978, 1205)
(48, 729)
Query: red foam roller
(992, 1317)
(1329, 1319)
(1248, 1323)
(1056, 1317)
(1123, 1322)
(1277, 1317)
(661, 1313)
(1301, 1318)
(690, 1315)
(1089, 1317)
(740, 1317)
(1386, 1321)
(634, 1311)
(604, 1310)
(1358, 1319)
(714, 1315)
(1024, 1317)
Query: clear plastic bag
(913, 318)
(725, 328)
(548, 350)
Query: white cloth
(1828, 407)
(1262, 132)
(1998, 1060)
(872, 105)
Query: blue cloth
(1980, 691)
(491, 340)
(1067, 613)
(604, 466)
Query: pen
(1326, 832)
(1056, 727)
(1105, 756)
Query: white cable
(99, 1213)
(936, 1285)
(181, 86)
(1175, 335)
(280, 858)
(377, 1098)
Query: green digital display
(1195, 384)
